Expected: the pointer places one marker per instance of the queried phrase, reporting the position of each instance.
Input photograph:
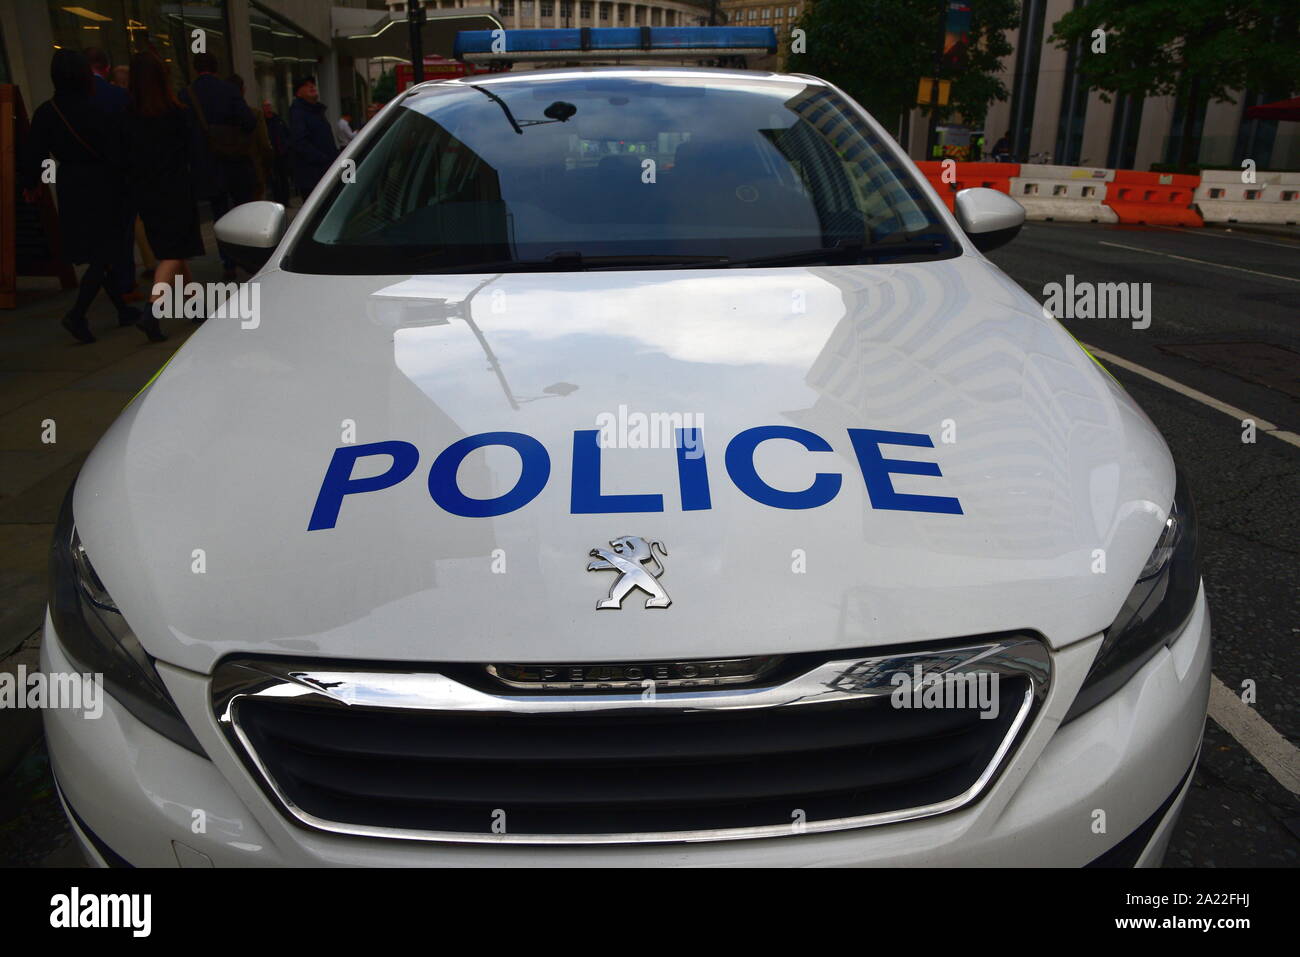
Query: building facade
(1052, 116)
(266, 42)
(540, 14)
(782, 17)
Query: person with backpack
(86, 141)
(278, 133)
(225, 177)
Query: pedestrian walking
(278, 133)
(310, 138)
(344, 130)
(163, 141)
(259, 146)
(116, 100)
(85, 141)
(1002, 149)
(225, 175)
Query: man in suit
(115, 101)
(310, 138)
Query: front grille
(370, 753)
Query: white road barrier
(1273, 198)
(1071, 194)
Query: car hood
(196, 504)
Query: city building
(539, 14)
(1052, 116)
(347, 44)
(782, 17)
(266, 42)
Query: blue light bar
(624, 41)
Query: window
(585, 9)
(461, 181)
(604, 11)
(507, 8)
(547, 9)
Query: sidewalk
(46, 376)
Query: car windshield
(607, 171)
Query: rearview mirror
(249, 233)
(991, 219)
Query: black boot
(129, 315)
(78, 327)
(148, 324)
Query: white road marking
(1261, 425)
(1278, 756)
(1201, 262)
(1223, 233)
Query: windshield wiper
(565, 257)
(842, 253)
(573, 261)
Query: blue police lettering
(740, 466)
(339, 482)
(587, 497)
(536, 469)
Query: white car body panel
(1126, 755)
(1064, 486)
(227, 450)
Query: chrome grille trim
(842, 679)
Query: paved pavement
(46, 376)
(1236, 292)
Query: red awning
(1281, 110)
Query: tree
(1197, 50)
(878, 50)
(385, 87)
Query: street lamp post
(415, 23)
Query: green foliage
(385, 88)
(878, 50)
(1165, 47)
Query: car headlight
(1155, 611)
(98, 640)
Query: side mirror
(991, 219)
(249, 233)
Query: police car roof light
(626, 42)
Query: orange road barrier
(991, 175)
(1156, 199)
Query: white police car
(629, 466)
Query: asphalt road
(1239, 294)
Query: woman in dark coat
(162, 145)
(86, 142)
